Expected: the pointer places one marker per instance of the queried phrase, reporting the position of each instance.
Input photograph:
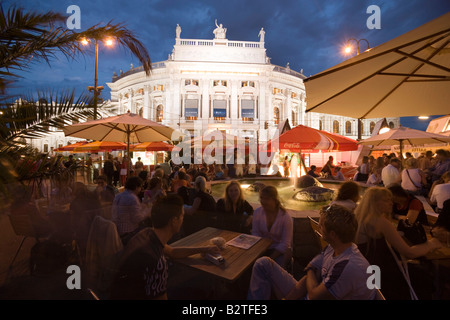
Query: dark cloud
(307, 34)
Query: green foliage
(27, 37)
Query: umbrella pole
(401, 154)
(128, 153)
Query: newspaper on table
(244, 241)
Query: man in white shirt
(391, 174)
(441, 192)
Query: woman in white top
(413, 179)
(272, 221)
(375, 177)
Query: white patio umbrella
(128, 128)
(406, 76)
(405, 136)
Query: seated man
(104, 191)
(143, 270)
(127, 212)
(339, 272)
(312, 172)
(440, 192)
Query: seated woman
(234, 212)
(348, 195)
(203, 210)
(272, 221)
(413, 179)
(180, 181)
(153, 193)
(339, 175)
(375, 177)
(219, 174)
(375, 231)
(407, 206)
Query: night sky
(307, 34)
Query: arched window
(294, 118)
(391, 125)
(348, 127)
(141, 112)
(320, 125)
(159, 113)
(335, 126)
(372, 126)
(276, 115)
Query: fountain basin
(286, 191)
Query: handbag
(413, 232)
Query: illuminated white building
(226, 85)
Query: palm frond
(31, 37)
(34, 117)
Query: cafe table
(236, 260)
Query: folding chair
(315, 227)
(22, 226)
(402, 264)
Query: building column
(234, 103)
(130, 100)
(146, 113)
(206, 102)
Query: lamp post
(348, 49)
(96, 89)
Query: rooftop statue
(178, 31)
(220, 31)
(261, 35)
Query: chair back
(22, 225)
(315, 227)
(379, 295)
(103, 251)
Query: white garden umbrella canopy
(128, 128)
(405, 136)
(406, 76)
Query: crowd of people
(422, 176)
(159, 207)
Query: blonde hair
(368, 209)
(200, 183)
(411, 163)
(228, 201)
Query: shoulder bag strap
(411, 179)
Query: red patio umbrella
(70, 147)
(101, 146)
(306, 139)
(153, 146)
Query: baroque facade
(226, 85)
(220, 84)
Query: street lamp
(348, 49)
(96, 89)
